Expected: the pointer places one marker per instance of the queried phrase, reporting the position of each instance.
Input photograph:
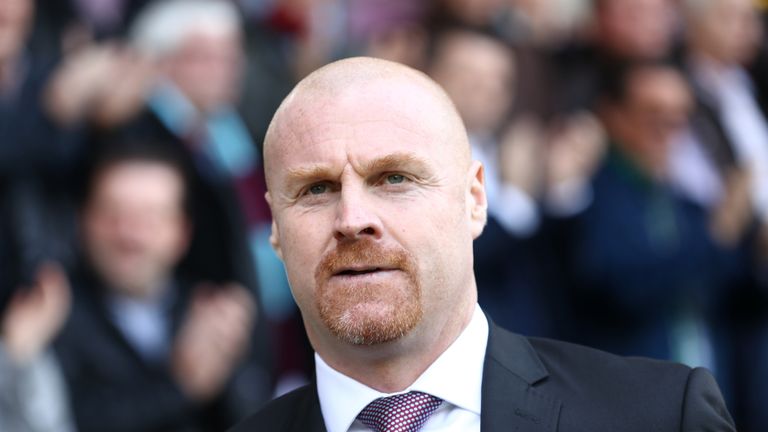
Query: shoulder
(609, 378)
(294, 411)
(604, 384)
(596, 366)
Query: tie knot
(405, 412)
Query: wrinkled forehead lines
(303, 118)
(322, 108)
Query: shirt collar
(456, 377)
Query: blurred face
(655, 109)
(729, 31)
(134, 227)
(373, 212)
(15, 18)
(207, 68)
(477, 72)
(636, 29)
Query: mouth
(360, 271)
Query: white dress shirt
(455, 377)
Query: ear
(274, 236)
(477, 203)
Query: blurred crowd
(625, 146)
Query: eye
(317, 189)
(395, 178)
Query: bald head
(363, 87)
(726, 31)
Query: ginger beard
(372, 307)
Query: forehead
(132, 182)
(361, 124)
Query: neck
(394, 366)
(145, 293)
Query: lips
(360, 270)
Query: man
(32, 392)
(619, 31)
(478, 72)
(375, 204)
(655, 292)
(197, 49)
(727, 152)
(729, 131)
(148, 347)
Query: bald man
(375, 203)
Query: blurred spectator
(646, 273)
(35, 157)
(723, 162)
(34, 296)
(729, 136)
(33, 396)
(147, 348)
(478, 72)
(196, 47)
(620, 30)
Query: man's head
(198, 46)
(634, 29)
(644, 106)
(134, 221)
(726, 31)
(375, 205)
(477, 71)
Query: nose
(356, 216)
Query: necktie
(405, 412)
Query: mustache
(362, 253)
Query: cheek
(433, 232)
(169, 245)
(302, 245)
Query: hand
(117, 104)
(83, 86)
(575, 149)
(35, 314)
(212, 339)
(520, 155)
(732, 215)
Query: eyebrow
(397, 161)
(391, 162)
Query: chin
(373, 323)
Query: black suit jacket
(538, 385)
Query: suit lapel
(308, 417)
(510, 401)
